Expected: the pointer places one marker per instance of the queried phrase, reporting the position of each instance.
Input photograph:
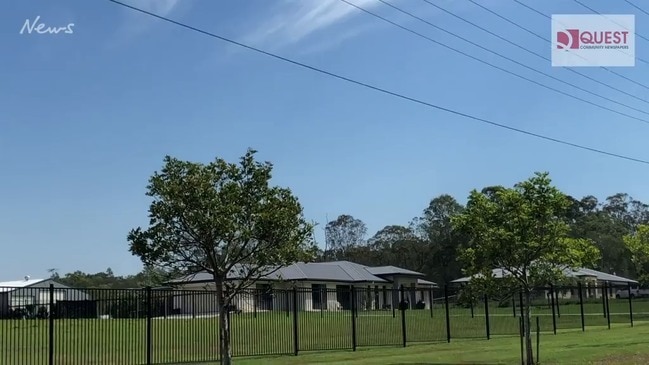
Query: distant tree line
(430, 245)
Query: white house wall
(282, 300)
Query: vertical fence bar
(608, 308)
(430, 300)
(486, 316)
(394, 295)
(630, 304)
(354, 312)
(471, 302)
(288, 307)
(448, 315)
(256, 298)
(538, 341)
(520, 334)
(520, 302)
(323, 301)
(581, 307)
(554, 318)
(51, 326)
(602, 290)
(296, 344)
(402, 308)
(149, 337)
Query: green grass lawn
(621, 345)
(181, 340)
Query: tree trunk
(224, 325)
(528, 328)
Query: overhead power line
(532, 52)
(547, 40)
(384, 91)
(597, 12)
(637, 7)
(502, 56)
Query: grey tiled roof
(580, 272)
(339, 271)
(392, 270)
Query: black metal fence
(154, 326)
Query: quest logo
(593, 40)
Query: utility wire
(637, 7)
(597, 12)
(547, 40)
(532, 52)
(498, 67)
(384, 91)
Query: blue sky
(86, 118)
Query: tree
(522, 230)
(225, 219)
(638, 244)
(342, 234)
(436, 229)
(399, 246)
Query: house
(319, 286)
(592, 282)
(34, 293)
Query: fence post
(486, 316)
(630, 304)
(149, 344)
(256, 297)
(394, 295)
(471, 302)
(430, 300)
(556, 302)
(354, 311)
(193, 294)
(554, 318)
(514, 305)
(538, 341)
(324, 298)
(448, 316)
(296, 343)
(521, 334)
(581, 307)
(520, 302)
(603, 288)
(51, 325)
(288, 306)
(402, 308)
(608, 308)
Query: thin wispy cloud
(294, 21)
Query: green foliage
(524, 231)
(343, 236)
(435, 228)
(222, 218)
(638, 244)
(225, 219)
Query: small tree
(522, 230)
(224, 219)
(638, 244)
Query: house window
(319, 296)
